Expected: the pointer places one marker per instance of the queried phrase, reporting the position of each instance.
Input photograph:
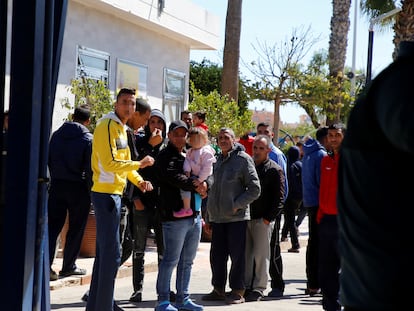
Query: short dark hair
(82, 113)
(265, 124)
(125, 90)
(142, 106)
(321, 133)
(185, 112)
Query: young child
(198, 164)
(199, 119)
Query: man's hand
(146, 161)
(145, 186)
(202, 189)
(155, 138)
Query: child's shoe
(183, 213)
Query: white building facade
(143, 44)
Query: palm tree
(231, 54)
(338, 42)
(404, 20)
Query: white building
(139, 43)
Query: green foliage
(93, 93)
(221, 112)
(206, 78)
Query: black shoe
(76, 271)
(275, 293)
(53, 275)
(214, 295)
(293, 250)
(136, 297)
(254, 296)
(85, 296)
(172, 296)
(313, 292)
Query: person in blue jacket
(313, 152)
(70, 170)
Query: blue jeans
(107, 209)
(181, 239)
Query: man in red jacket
(329, 260)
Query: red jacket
(328, 186)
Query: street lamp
(373, 21)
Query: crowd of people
(138, 177)
(170, 175)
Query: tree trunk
(337, 53)
(230, 76)
(276, 119)
(404, 25)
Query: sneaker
(275, 293)
(53, 275)
(165, 306)
(136, 297)
(183, 213)
(189, 305)
(215, 295)
(254, 296)
(293, 250)
(76, 271)
(234, 298)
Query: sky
(272, 22)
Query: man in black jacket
(181, 235)
(71, 180)
(263, 211)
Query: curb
(126, 269)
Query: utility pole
(374, 21)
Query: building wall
(121, 39)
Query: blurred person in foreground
(373, 196)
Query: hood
(112, 115)
(71, 130)
(156, 113)
(311, 145)
(293, 154)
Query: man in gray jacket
(236, 185)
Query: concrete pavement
(67, 295)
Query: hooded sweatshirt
(70, 150)
(111, 157)
(313, 152)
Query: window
(92, 64)
(133, 75)
(173, 97)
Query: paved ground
(67, 295)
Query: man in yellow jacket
(111, 166)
